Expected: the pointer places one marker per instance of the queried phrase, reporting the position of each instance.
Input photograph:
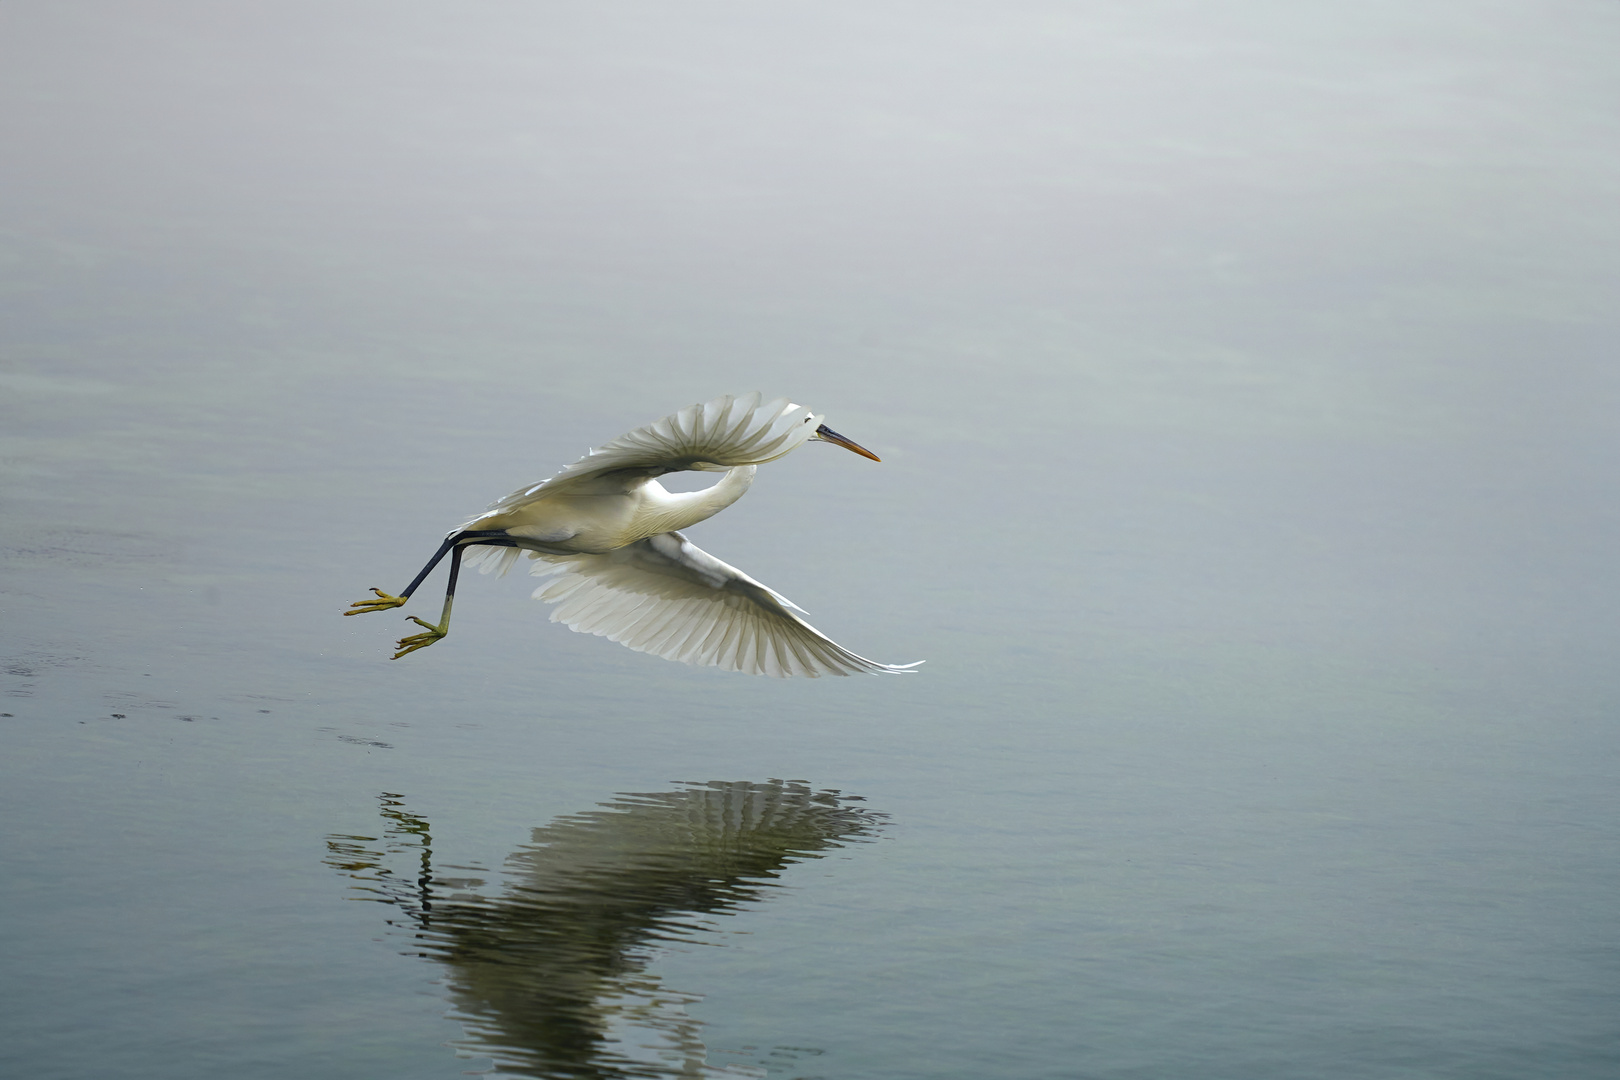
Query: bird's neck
(668, 511)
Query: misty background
(1245, 380)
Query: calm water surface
(1244, 378)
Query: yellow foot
(420, 641)
(360, 607)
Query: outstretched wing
(727, 431)
(666, 596)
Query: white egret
(608, 532)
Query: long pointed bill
(827, 434)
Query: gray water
(1245, 379)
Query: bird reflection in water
(548, 977)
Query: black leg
(449, 543)
(455, 545)
(434, 632)
(454, 542)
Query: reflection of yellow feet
(360, 607)
(420, 641)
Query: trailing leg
(385, 601)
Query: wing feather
(776, 664)
(685, 621)
(801, 656)
(657, 625)
(670, 598)
(488, 559)
(727, 431)
(748, 648)
(705, 648)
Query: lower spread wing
(666, 596)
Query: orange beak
(827, 434)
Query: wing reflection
(548, 976)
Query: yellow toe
(419, 641)
(383, 602)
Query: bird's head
(732, 431)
